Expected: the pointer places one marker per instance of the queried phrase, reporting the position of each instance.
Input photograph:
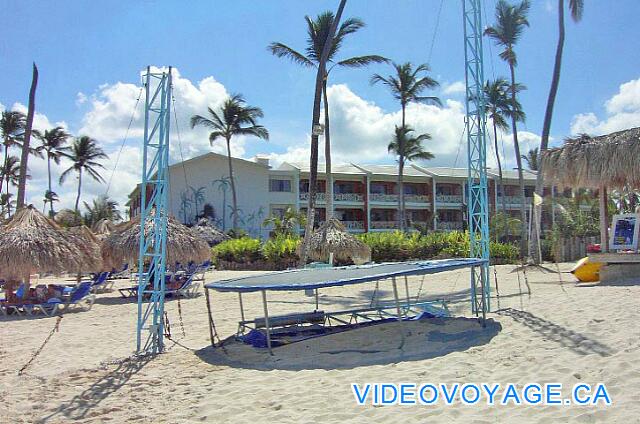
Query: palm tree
(412, 145)
(510, 23)
(26, 143)
(533, 159)
(198, 196)
(53, 143)
(102, 207)
(12, 129)
(235, 118)
(84, 153)
(576, 7)
(498, 109)
(317, 34)
(286, 225)
(50, 197)
(6, 203)
(11, 172)
(406, 86)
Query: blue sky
(98, 49)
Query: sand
(566, 333)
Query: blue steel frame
(153, 243)
(477, 203)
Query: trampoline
(314, 279)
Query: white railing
(419, 224)
(380, 197)
(416, 198)
(448, 198)
(384, 225)
(320, 197)
(450, 225)
(348, 197)
(353, 225)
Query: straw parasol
(332, 237)
(183, 243)
(68, 218)
(606, 161)
(209, 232)
(32, 243)
(103, 228)
(592, 162)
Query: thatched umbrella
(32, 243)
(606, 161)
(103, 228)
(209, 232)
(332, 237)
(183, 244)
(68, 218)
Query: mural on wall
(223, 185)
(198, 198)
(185, 206)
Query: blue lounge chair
(81, 298)
(101, 283)
(4, 307)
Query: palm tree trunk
(24, 159)
(232, 181)
(401, 219)
(516, 145)
(327, 153)
(5, 175)
(546, 127)
(49, 177)
(79, 189)
(313, 165)
(500, 187)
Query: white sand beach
(565, 333)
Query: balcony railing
(353, 225)
(450, 225)
(448, 198)
(384, 225)
(380, 197)
(416, 198)
(338, 197)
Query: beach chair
(189, 288)
(125, 272)
(81, 298)
(101, 282)
(201, 269)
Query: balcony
(381, 197)
(416, 198)
(354, 225)
(384, 225)
(450, 225)
(449, 198)
(512, 201)
(320, 197)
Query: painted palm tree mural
(223, 185)
(198, 199)
(185, 206)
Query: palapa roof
(332, 236)
(68, 218)
(209, 232)
(103, 228)
(611, 160)
(32, 243)
(183, 244)
(86, 241)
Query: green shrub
(281, 249)
(503, 253)
(242, 250)
(387, 246)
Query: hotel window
(280, 185)
(278, 210)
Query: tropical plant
(503, 225)
(406, 86)
(53, 143)
(11, 172)
(223, 185)
(498, 107)
(12, 130)
(576, 7)
(625, 200)
(511, 21)
(287, 224)
(412, 145)
(243, 249)
(198, 196)
(84, 155)
(281, 250)
(101, 208)
(235, 118)
(533, 159)
(49, 197)
(317, 34)
(6, 204)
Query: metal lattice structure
(153, 208)
(477, 207)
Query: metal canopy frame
(152, 255)
(477, 205)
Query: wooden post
(604, 220)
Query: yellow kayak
(587, 271)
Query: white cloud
(457, 87)
(81, 98)
(622, 112)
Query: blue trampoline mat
(303, 279)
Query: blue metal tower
(153, 211)
(477, 208)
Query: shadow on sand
(379, 344)
(83, 403)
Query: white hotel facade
(365, 196)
